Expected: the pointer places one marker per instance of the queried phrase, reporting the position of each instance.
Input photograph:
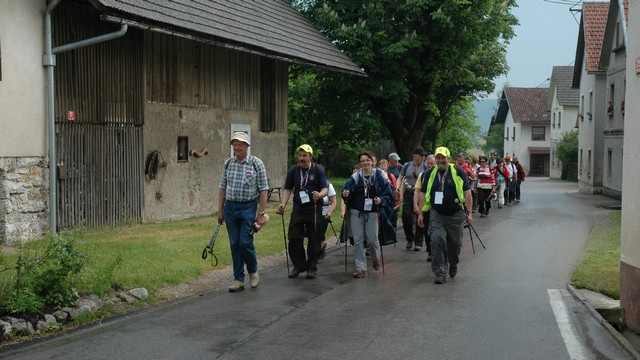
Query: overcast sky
(546, 37)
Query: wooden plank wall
(103, 184)
(101, 148)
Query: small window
(537, 133)
(183, 148)
(559, 119)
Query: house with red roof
(562, 106)
(122, 110)
(591, 82)
(523, 111)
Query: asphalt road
(506, 302)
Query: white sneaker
(255, 279)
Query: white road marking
(574, 347)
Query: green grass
(599, 267)
(156, 255)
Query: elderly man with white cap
(445, 192)
(308, 183)
(243, 190)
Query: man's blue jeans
(239, 217)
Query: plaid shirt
(244, 180)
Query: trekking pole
(478, 237)
(284, 231)
(379, 244)
(209, 248)
(335, 234)
(471, 236)
(346, 237)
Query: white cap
(240, 136)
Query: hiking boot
(311, 274)
(236, 286)
(376, 265)
(453, 270)
(294, 273)
(440, 279)
(417, 248)
(255, 279)
(360, 274)
(409, 245)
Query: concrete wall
(630, 241)
(590, 139)
(511, 142)
(191, 188)
(24, 187)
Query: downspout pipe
(49, 61)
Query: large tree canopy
(422, 58)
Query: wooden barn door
(99, 119)
(100, 182)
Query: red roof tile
(595, 18)
(528, 105)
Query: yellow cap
(306, 148)
(442, 151)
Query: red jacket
(520, 171)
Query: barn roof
(270, 28)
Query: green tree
(494, 140)
(421, 57)
(567, 152)
(461, 129)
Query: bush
(42, 277)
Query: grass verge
(599, 266)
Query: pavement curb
(628, 348)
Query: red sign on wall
(71, 115)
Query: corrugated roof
(595, 19)
(271, 28)
(528, 105)
(561, 79)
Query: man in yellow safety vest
(445, 191)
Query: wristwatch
(261, 213)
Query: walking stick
(346, 237)
(284, 231)
(335, 234)
(209, 248)
(379, 244)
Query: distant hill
(484, 111)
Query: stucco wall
(630, 241)
(23, 122)
(191, 188)
(590, 132)
(24, 188)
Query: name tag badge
(304, 197)
(438, 198)
(368, 204)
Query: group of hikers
(438, 195)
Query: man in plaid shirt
(243, 188)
